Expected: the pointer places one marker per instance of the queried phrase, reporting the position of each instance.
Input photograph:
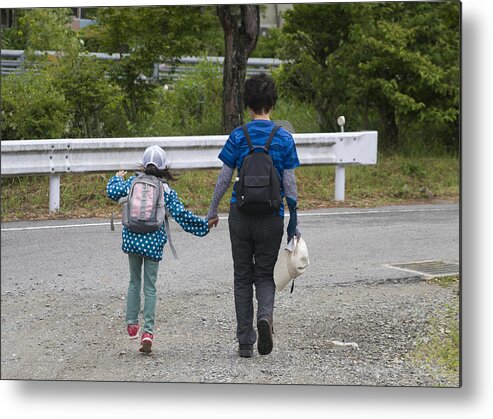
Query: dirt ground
(48, 333)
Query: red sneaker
(133, 331)
(146, 342)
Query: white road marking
(309, 214)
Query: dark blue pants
(255, 243)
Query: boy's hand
(213, 222)
(121, 173)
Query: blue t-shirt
(282, 149)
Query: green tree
(406, 63)
(192, 107)
(143, 36)
(388, 65)
(95, 102)
(92, 105)
(32, 108)
(307, 48)
(40, 29)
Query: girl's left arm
(188, 221)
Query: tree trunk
(241, 25)
(390, 127)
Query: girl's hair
(162, 174)
(260, 93)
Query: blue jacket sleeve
(187, 220)
(117, 187)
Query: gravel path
(49, 333)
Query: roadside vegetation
(438, 348)
(394, 180)
(405, 86)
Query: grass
(439, 347)
(394, 180)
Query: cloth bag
(291, 263)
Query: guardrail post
(155, 72)
(54, 192)
(340, 171)
(340, 182)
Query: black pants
(255, 243)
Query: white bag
(291, 263)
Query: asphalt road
(345, 245)
(64, 288)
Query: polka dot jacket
(151, 245)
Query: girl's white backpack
(143, 207)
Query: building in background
(7, 18)
(270, 17)
(81, 17)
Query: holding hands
(213, 222)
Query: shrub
(192, 106)
(96, 103)
(32, 108)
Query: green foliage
(40, 29)
(191, 107)
(393, 67)
(94, 101)
(144, 36)
(302, 116)
(438, 348)
(307, 48)
(73, 96)
(269, 45)
(389, 182)
(32, 107)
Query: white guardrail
(56, 157)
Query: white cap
(154, 155)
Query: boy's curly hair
(260, 93)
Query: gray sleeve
(289, 184)
(222, 185)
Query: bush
(32, 108)
(191, 107)
(96, 103)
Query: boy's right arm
(222, 185)
(291, 193)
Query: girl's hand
(121, 173)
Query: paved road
(345, 245)
(64, 286)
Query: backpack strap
(271, 137)
(168, 233)
(247, 136)
(166, 223)
(269, 140)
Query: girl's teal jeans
(134, 289)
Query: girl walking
(145, 250)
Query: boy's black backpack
(258, 187)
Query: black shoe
(265, 343)
(245, 351)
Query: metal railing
(13, 62)
(57, 157)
